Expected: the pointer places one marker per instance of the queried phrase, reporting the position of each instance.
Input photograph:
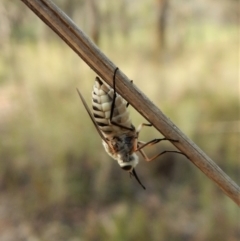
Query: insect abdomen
(102, 97)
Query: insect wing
(91, 116)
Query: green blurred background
(57, 182)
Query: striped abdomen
(102, 97)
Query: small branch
(88, 51)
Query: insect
(119, 136)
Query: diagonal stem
(60, 23)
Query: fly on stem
(110, 117)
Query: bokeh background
(57, 182)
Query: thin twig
(88, 51)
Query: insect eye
(127, 168)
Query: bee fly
(119, 136)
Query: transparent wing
(91, 116)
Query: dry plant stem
(88, 51)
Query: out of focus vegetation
(56, 181)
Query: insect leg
(153, 142)
(154, 157)
(141, 126)
(113, 105)
(114, 94)
(128, 102)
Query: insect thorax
(121, 149)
